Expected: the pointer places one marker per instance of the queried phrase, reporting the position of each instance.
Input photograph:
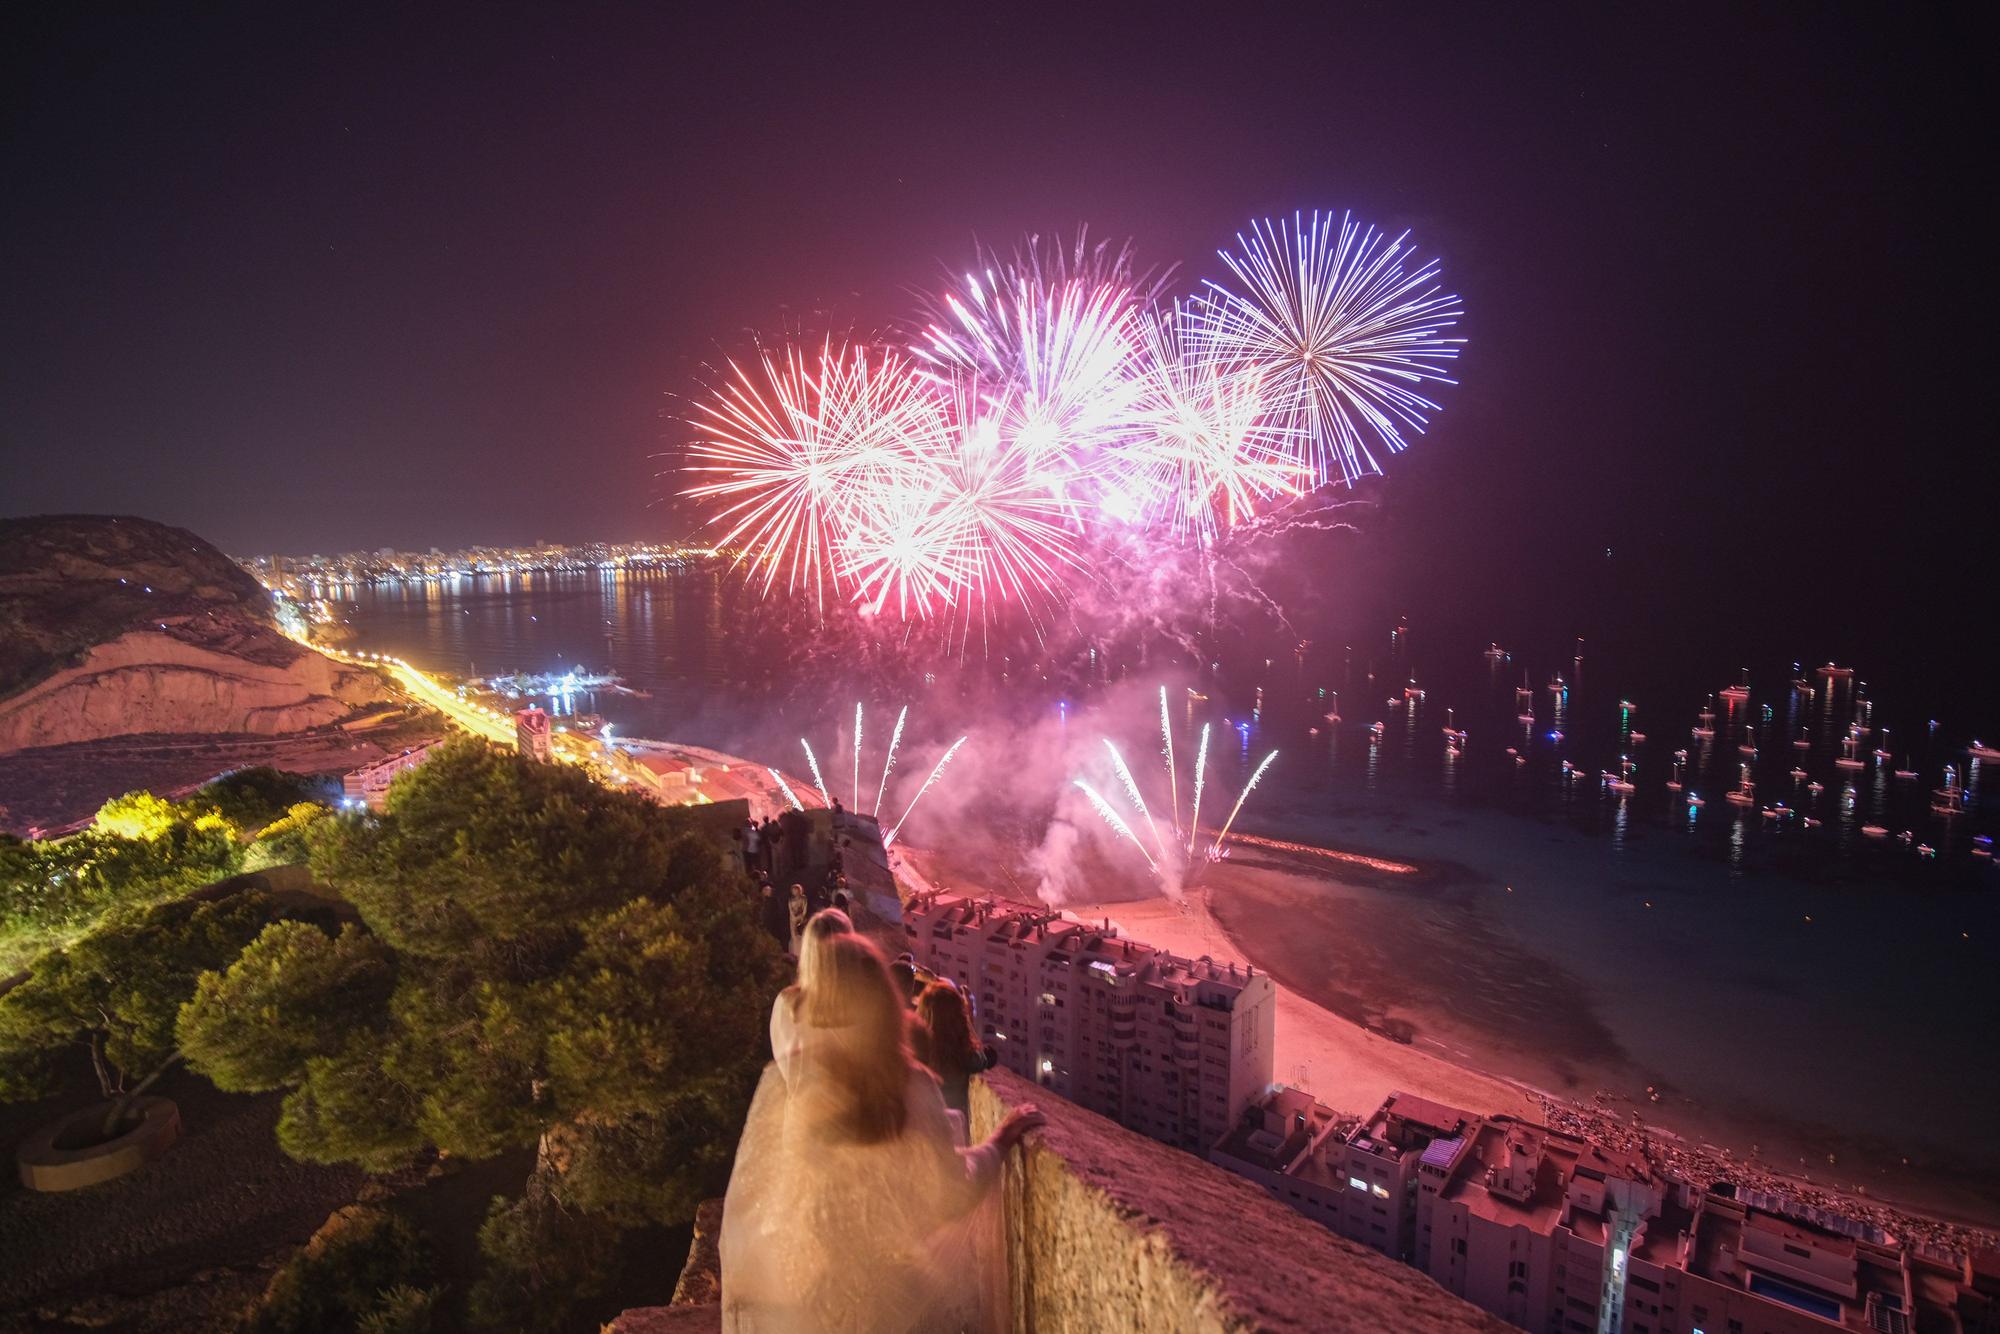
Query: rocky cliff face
(113, 626)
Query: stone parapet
(1110, 1231)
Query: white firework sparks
(1348, 329)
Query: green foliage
(540, 962)
(402, 1309)
(364, 1269)
(136, 815)
(349, 1109)
(567, 961)
(51, 890)
(541, 1266)
(117, 990)
(294, 994)
(658, 1164)
(286, 841)
(482, 845)
(252, 798)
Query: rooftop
(1854, 1285)
(1406, 1123)
(1019, 925)
(1277, 1128)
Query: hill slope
(111, 626)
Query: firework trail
(1173, 780)
(1247, 787)
(1200, 770)
(1117, 822)
(813, 760)
(1132, 791)
(1347, 327)
(895, 738)
(857, 757)
(943, 760)
(786, 788)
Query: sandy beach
(1494, 1028)
(1340, 1062)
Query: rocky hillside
(114, 625)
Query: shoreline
(1321, 1050)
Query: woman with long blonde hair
(786, 1034)
(851, 1207)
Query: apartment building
(1537, 1226)
(1753, 1265)
(369, 785)
(1173, 1048)
(1280, 1142)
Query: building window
(1357, 1183)
(1381, 1192)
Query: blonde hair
(821, 928)
(851, 988)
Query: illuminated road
(470, 715)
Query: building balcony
(1109, 1231)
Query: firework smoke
(943, 760)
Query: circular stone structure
(45, 1164)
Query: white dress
(820, 1233)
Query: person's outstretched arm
(964, 1175)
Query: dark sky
(314, 278)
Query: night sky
(311, 278)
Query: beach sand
(1492, 1027)
(1340, 1062)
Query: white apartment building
(1173, 1048)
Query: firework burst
(1208, 454)
(1059, 327)
(1346, 327)
(791, 442)
(1052, 418)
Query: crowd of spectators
(775, 851)
(1705, 1165)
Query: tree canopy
(140, 850)
(117, 992)
(252, 798)
(286, 840)
(540, 962)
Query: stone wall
(1109, 1231)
